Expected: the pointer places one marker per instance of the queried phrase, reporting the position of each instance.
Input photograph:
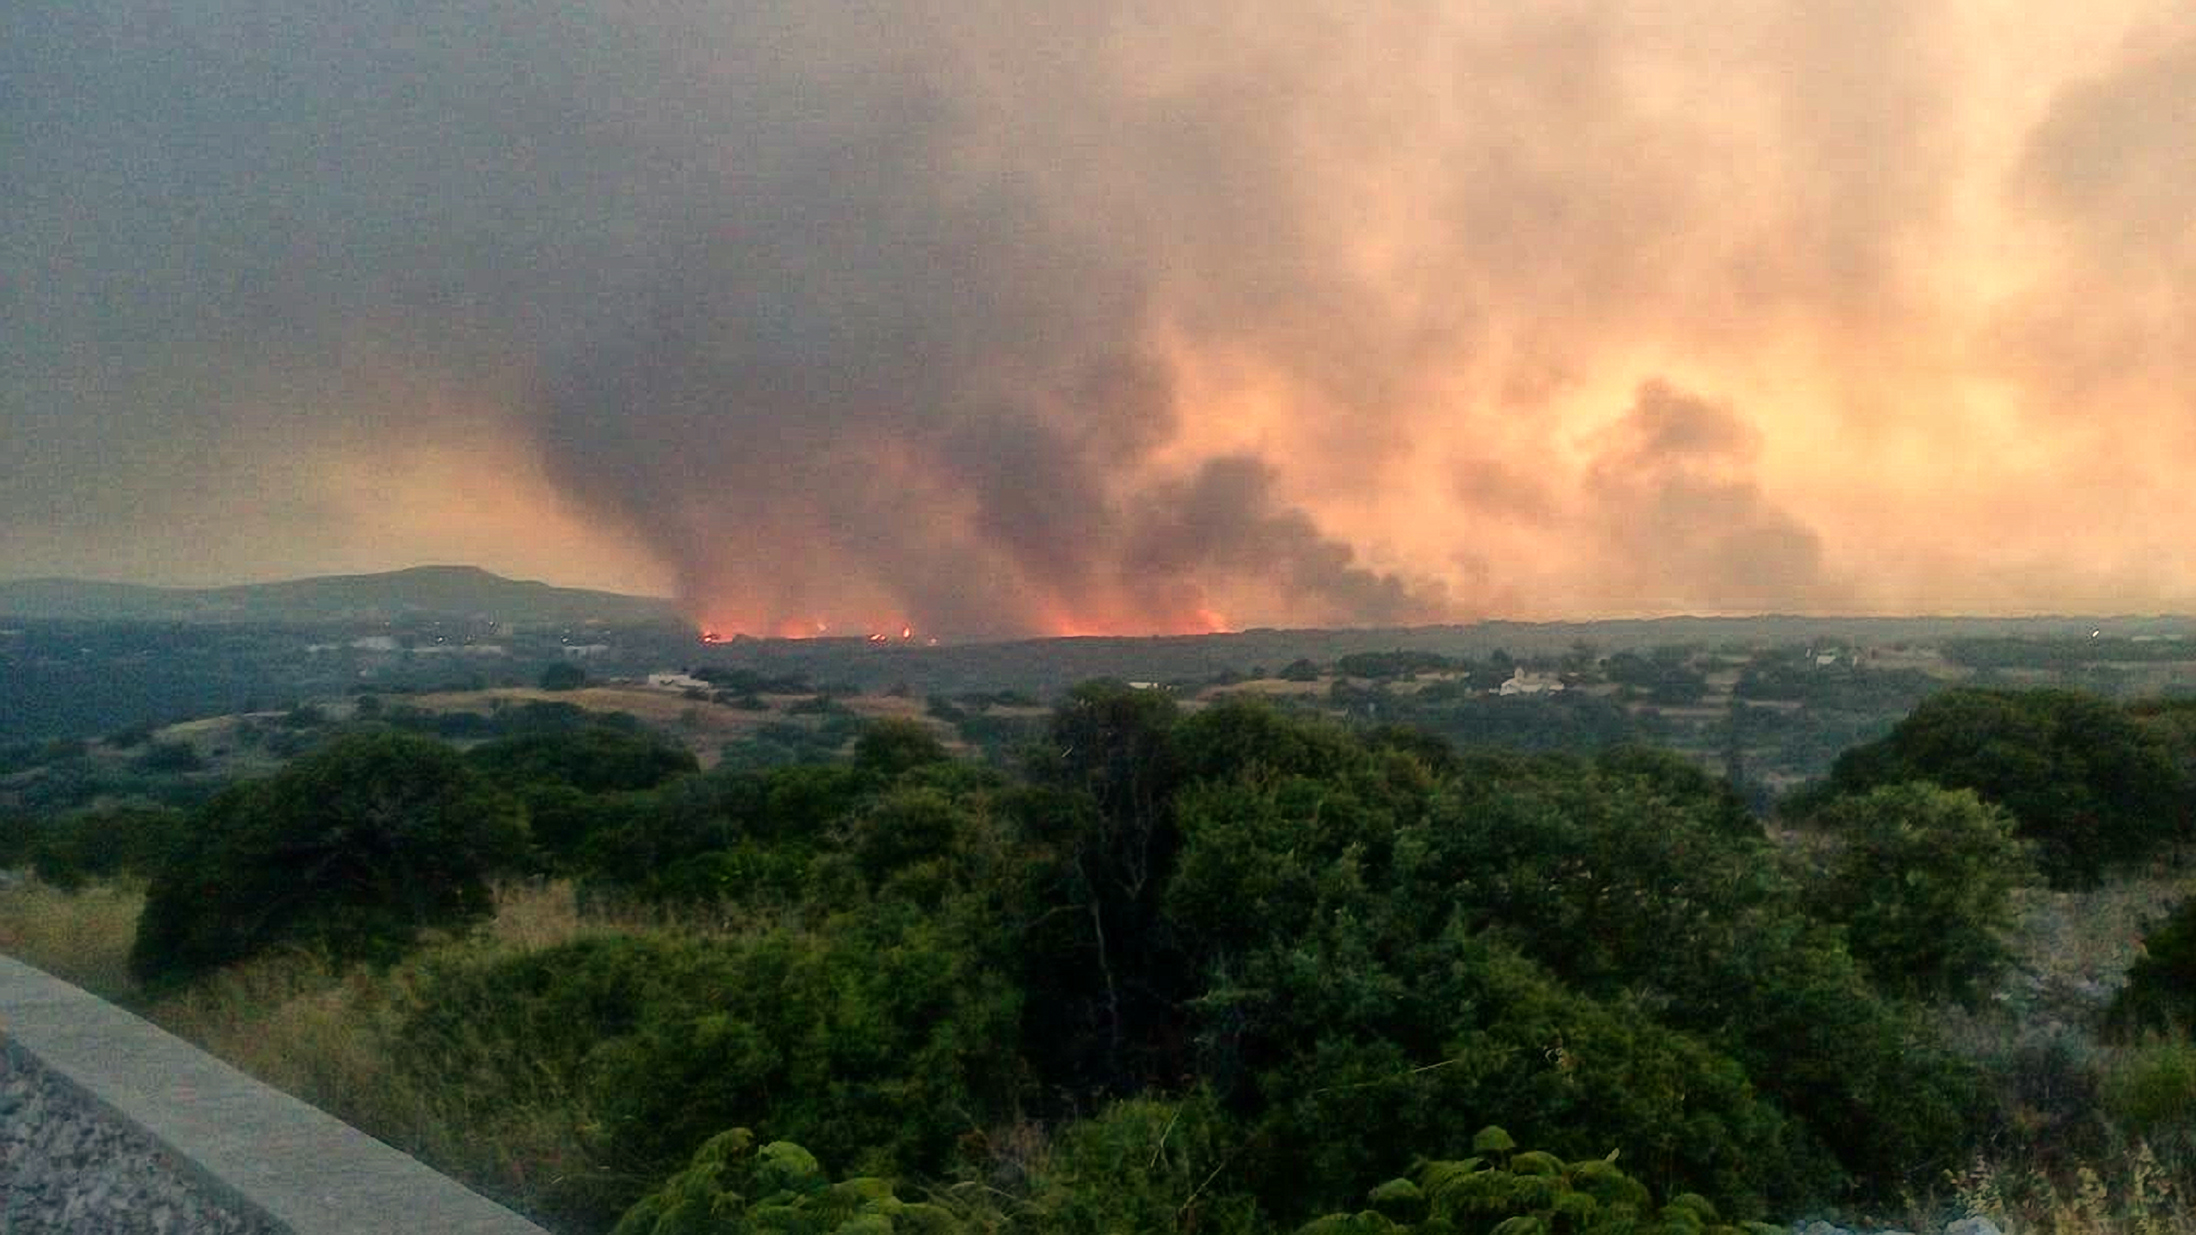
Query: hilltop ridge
(444, 591)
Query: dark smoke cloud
(1680, 513)
(1226, 521)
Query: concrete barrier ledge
(254, 1148)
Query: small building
(1524, 683)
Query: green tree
(1924, 886)
(2160, 994)
(355, 849)
(2089, 784)
(897, 745)
(591, 759)
(563, 675)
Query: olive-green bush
(353, 850)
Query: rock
(68, 1167)
(1973, 1226)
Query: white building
(1523, 683)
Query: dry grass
(81, 937)
(2078, 945)
(330, 1038)
(2078, 1164)
(2134, 1196)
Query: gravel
(68, 1166)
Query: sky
(1113, 316)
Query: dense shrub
(2150, 1093)
(1220, 971)
(874, 1040)
(1352, 1014)
(2160, 994)
(1923, 884)
(2086, 782)
(84, 845)
(169, 757)
(576, 782)
(355, 849)
(591, 759)
(776, 1189)
(1634, 879)
(1502, 1188)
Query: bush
(2091, 786)
(594, 759)
(2150, 1092)
(1634, 880)
(101, 844)
(355, 849)
(2160, 994)
(874, 1040)
(170, 757)
(776, 1189)
(1501, 1188)
(1924, 887)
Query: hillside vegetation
(1240, 969)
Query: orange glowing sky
(1115, 317)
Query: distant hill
(462, 592)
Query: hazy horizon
(1113, 317)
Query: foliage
(733, 1185)
(355, 849)
(575, 782)
(1501, 1189)
(872, 1039)
(2150, 1093)
(1219, 970)
(2160, 993)
(563, 675)
(1571, 721)
(75, 848)
(2087, 783)
(1923, 884)
(1146, 1164)
(1389, 664)
(2060, 652)
(891, 747)
(170, 757)
(1109, 978)
(592, 759)
(1662, 679)
(1626, 884)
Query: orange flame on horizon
(1057, 621)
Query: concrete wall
(254, 1150)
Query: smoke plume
(1113, 316)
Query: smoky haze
(1113, 316)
